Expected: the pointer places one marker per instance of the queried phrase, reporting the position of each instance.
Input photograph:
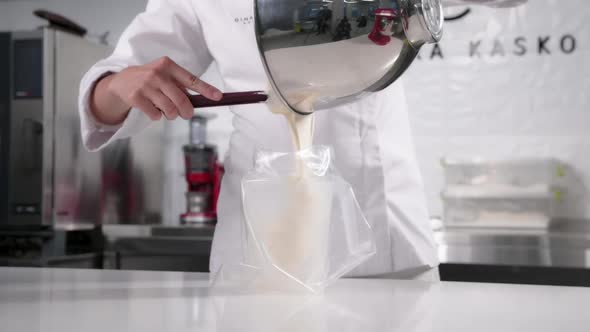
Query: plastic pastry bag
(303, 227)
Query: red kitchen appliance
(384, 24)
(203, 175)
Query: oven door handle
(32, 144)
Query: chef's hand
(157, 88)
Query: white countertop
(107, 301)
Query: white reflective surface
(84, 301)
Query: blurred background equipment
(175, 244)
(59, 22)
(203, 175)
(54, 194)
(518, 193)
(50, 182)
(501, 223)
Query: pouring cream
(296, 238)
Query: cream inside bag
(295, 236)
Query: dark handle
(32, 132)
(229, 99)
(61, 21)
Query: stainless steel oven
(54, 194)
(47, 175)
(50, 186)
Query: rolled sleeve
(95, 134)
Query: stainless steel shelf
(145, 247)
(565, 244)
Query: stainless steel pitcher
(320, 54)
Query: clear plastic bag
(303, 225)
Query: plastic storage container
(517, 172)
(519, 193)
(499, 206)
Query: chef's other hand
(157, 88)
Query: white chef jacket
(371, 138)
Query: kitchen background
(504, 85)
(530, 100)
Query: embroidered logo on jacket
(244, 20)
